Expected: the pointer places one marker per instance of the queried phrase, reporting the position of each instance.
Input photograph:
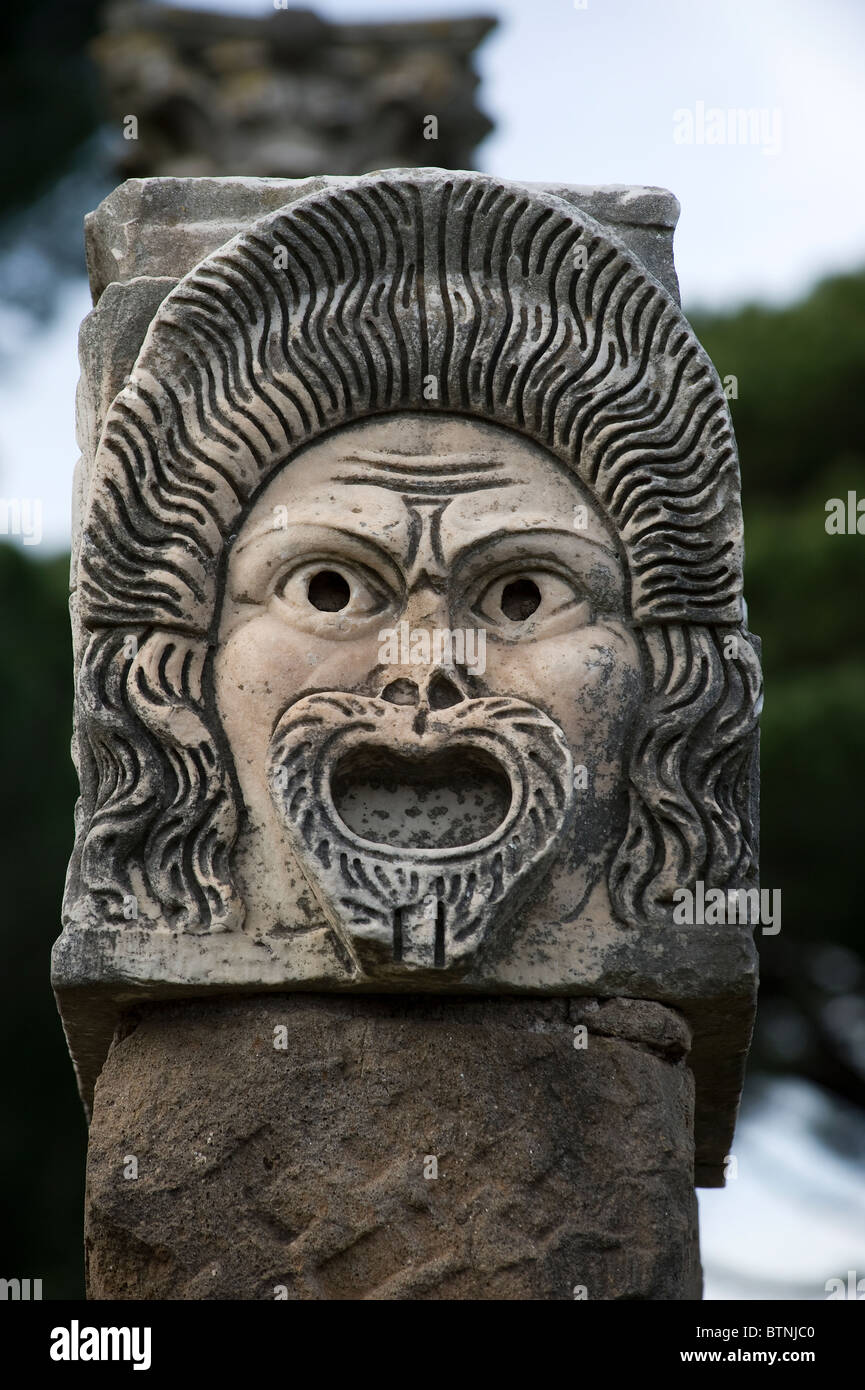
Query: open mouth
(418, 842)
(440, 800)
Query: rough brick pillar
(299, 1170)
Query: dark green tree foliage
(49, 96)
(43, 1139)
(800, 423)
(800, 416)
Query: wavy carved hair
(348, 303)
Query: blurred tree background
(800, 425)
(800, 422)
(49, 112)
(47, 93)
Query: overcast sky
(598, 95)
(589, 96)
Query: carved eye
(323, 592)
(523, 604)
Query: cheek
(264, 664)
(589, 681)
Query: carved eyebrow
(362, 541)
(525, 534)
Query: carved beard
(420, 829)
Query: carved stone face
(426, 676)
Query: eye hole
(532, 603)
(520, 598)
(319, 597)
(328, 591)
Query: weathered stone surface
(165, 226)
(414, 405)
(299, 1172)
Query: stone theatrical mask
(411, 645)
(423, 648)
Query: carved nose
(440, 692)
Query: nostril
(401, 692)
(442, 693)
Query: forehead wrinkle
(396, 461)
(407, 471)
(441, 489)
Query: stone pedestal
(322, 1147)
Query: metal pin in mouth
(453, 797)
